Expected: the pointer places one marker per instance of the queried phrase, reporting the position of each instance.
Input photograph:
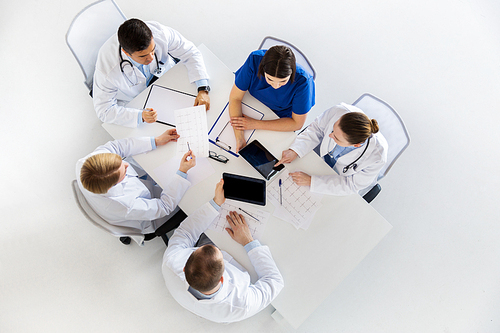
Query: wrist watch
(204, 88)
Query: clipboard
(165, 101)
(221, 134)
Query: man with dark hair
(134, 58)
(208, 281)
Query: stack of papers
(295, 204)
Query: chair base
(125, 240)
(372, 193)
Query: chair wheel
(125, 240)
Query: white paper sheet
(165, 101)
(298, 203)
(200, 172)
(222, 133)
(256, 222)
(192, 127)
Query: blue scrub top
(296, 97)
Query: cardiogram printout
(191, 125)
(255, 218)
(298, 204)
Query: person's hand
(243, 123)
(167, 136)
(219, 197)
(287, 156)
(240, 143)
(149, 116)
(301, 178)
(203, 99)
(239, 230)
(187, 162)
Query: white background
(435, 61)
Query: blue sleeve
(304, 97)
(252, 245)
(201, 83)
(216, 206)
(182, 174)
(246, 73)
(139, 118)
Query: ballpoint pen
(189, 157)
(164, 123)
(244, 211)
(281, 194)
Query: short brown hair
(278, 61)
(100, 172)
(357, 127)
(204, 268)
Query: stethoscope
(354, 165)
(157, 72)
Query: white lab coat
(369, 165)
(112, 90)
(130, 203)
(238, 298)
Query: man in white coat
(132, 59)
(209, 282)
(349, 142)
(124, 195)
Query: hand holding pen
(149, 115)
(187, 162)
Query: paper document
(165, 101)
(222, 134)
(192, 127)
(200, 172)
(255, 218)
(298, 204)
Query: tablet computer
(261, 159)
(244, 189)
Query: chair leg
(125, 240)
(372, 193)
(165, 239)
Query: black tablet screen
(260, 158)
(244, 189)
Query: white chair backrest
(99, 222)
(88, 32)
(300, 58)
(391, 126)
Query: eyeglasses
(219, 158)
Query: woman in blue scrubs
(274, 78)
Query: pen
(281, 194)
(244, 211)
(189, 157)
(164, 123)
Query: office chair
(88, 31)
(392, 128)
(125, 233)
(300, 58)
(118, 231)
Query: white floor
(436, 62)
